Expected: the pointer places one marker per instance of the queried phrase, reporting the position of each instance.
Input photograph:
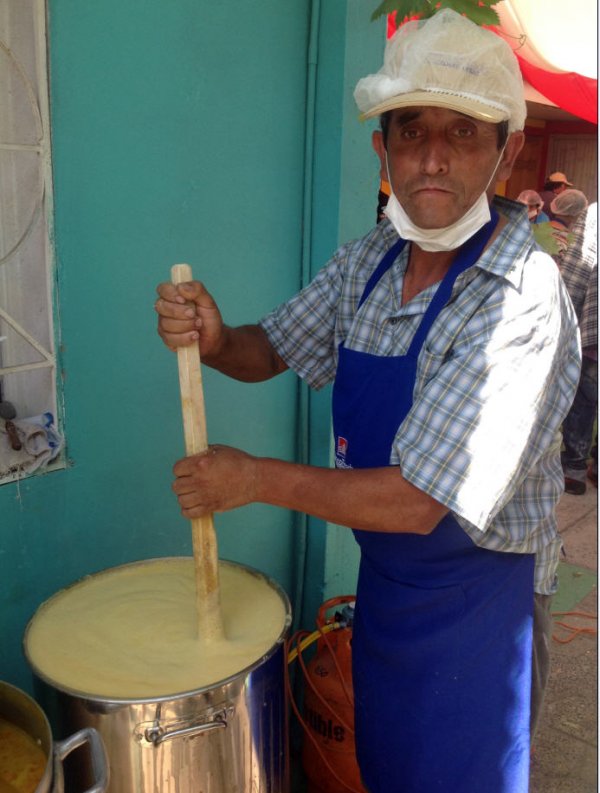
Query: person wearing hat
(555, 184)
(453, 351)
(565, 208)
(533, 202)
(578, 265)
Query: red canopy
(568, 90)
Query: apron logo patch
(341, 449)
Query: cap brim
(460, 104)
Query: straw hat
(558, 176)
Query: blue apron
(441, 649)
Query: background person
(579, 269)
(534, 203)
(453, 350)
(566, 208)
(555, 184)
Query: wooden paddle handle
(206, 557)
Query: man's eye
(409, 134)
(463, 132)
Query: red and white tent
(557, 51)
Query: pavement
(565, 750)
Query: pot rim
(106, 700)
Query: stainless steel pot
(21, 710)
(229, 737)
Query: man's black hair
(384, 122)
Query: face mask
(445, 239)
(532, 214)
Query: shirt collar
(507, 254)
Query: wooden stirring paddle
(206, 557)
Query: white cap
(447, 61)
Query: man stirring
(454, 354)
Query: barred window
(28, 382)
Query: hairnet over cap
(450, 62)
(531, 198)
(569, 202)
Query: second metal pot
(20, 709)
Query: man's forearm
(246, 354)
(375, 499)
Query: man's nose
(434, 156)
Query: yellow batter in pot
(22, 760)
(131, 631)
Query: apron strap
(382, 268)
(467, 256)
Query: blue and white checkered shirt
(496, 377)
(579, 269)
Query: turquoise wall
(178, 133)
(344, 207)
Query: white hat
(447, 61)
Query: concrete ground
(565, 756)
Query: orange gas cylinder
(328, 753)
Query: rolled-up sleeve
(495, 404)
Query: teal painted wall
(178, 134)
(344, 207)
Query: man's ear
(514, 144)
(379, 149)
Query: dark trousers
(578, 427)
(540, 667)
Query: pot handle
(158, 735)
(98, 754)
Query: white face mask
(445, 239)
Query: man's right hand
(187, 313)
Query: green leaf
(480, 15)
(542, 233)
(403, 8)
(383, 9)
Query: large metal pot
(229, 737)
(20, 709)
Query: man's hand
(217, 480)
(371, 499)
(187, 313)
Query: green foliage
(480, 12)
(542, 233)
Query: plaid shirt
(496, 376)
(579, 269)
